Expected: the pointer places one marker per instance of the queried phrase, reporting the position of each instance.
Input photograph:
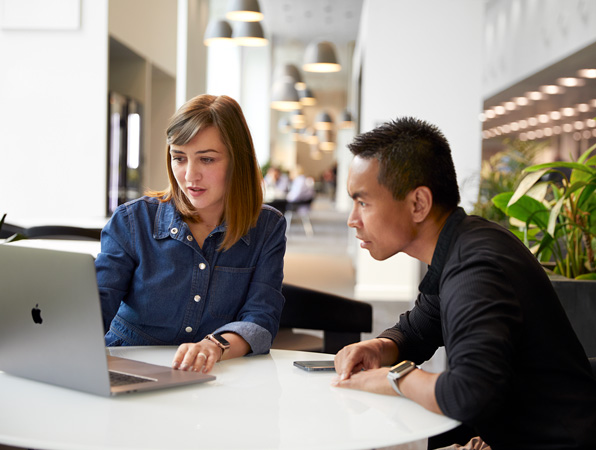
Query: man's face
(383, 224)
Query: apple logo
(36, 313)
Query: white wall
(53, 110)
(420, 59)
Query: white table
(68, 245)
(260, 402)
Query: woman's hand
(197, 356)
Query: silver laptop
(51, 327)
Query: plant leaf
(526, 183)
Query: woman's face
(200, 168)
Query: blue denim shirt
(158, 287)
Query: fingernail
(175, 365)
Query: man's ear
(422, 201)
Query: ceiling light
(506, 129)
(567, 128)
(523, 124)
(320, 57)
(345, 119)
(552, 89)
(586, 134)
(539, 134)
(292, 71)
(555, 115)
(568, 112)
(490, 114)
(579, 125)
(548, 132)
(532, 121)
(570, 81)
(323, 121)
(482, 117)
(593, 103)
(284, 96)
(326, 141)
(310, 136)
(500, 110)
(306, 97)
(591, 123)
(534, 95)
(557, 129)
(510, 106)
(521, 101)
(587, 73)
(582, 107)
(218, 31)
(297, 119)
(249, 34)
(531, 135)
(542, 118)
(244, 11)
(514, 126)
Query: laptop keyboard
(122, 379)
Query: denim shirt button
(188, 329)
(197, 298)
(189, 238)
(174, 231)
(202, 266)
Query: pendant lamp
(284, 96)
(320, 57)
(292, 71)
(218, 31)
(244, 11)
(323, 121)
(249, 34)
(345, 119)
(297, 119)
(307, 98)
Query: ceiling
(307, 20)
(582, 99)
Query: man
(516, 374)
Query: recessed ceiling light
(567, 128)
(510, 106)
(543, 118)
(591, 123)
(582, 107)
(571, 81)
(500, 110)
(523, 124)
(568, 112)
(548, 132)
(551, 89)
(555, 115)
(557, 129)
(533, 121)
(514, 126)
(579, 125)
(586, 134)
(521, 101)
(534, 95)
(587, 73)
(490, 114)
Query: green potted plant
(555, 217)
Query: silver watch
(399, 371)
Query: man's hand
(364, 355)
(374, 380)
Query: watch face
(404, 367)
(222, 340)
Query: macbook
(51, 327)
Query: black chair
(341, 319)
(9, 230)
(63, 232)
(279, 204)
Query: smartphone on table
(313, 366)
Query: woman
(199, 265)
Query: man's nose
(353, 220)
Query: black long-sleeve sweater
(516, 371)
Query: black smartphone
(315, 365)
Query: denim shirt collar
(430, 283)
(168, 218)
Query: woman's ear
(422, 201)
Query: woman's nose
(193, 172)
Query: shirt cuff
(257, 337)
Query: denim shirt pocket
(229, 289)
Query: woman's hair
(411, 153)
(244, 192)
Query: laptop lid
(51, 326)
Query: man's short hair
(411, 153)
